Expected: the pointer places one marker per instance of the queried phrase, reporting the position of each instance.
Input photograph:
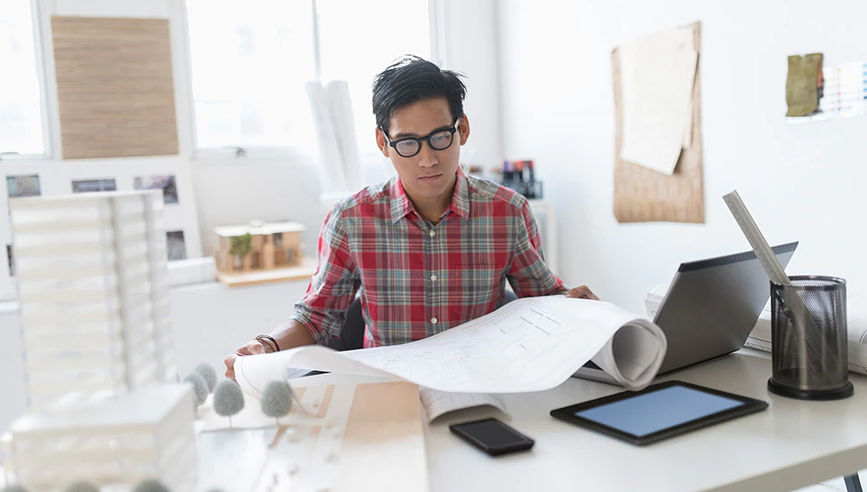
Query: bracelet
(262, 338)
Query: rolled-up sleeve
(332, 288)
(528, 274)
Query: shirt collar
(461, 197)
(401, 204)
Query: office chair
(352, 335)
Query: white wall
(801, 182)
(239, 190)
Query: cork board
(115, 87)
(644, 195)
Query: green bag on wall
(804, 84)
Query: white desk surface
(792, 444)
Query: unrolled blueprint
(531, 344)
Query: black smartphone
(492, 436)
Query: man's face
(431, 173)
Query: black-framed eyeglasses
(410, 146)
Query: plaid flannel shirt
(418, 279)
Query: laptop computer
(709, 310)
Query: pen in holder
(810, 356)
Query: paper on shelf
(531, 344)
(340, 103)
(327, 137)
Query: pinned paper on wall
(657, 73)
(658, 180)
(844, 93)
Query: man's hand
(289, 334)
(582, 292)
(250, 348)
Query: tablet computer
(658, 412)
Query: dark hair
(411, 79)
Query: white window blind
(22, 127)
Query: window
(359, 39)
(251, 60)
(22, 123)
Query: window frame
(40, 20)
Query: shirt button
(432, 234)
(433, 321)
(433, 277)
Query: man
(429, 249)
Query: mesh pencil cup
(810, 359)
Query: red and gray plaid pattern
(418, 279)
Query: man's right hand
(252, 347)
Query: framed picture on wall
(165, 183)
(176, 248)
(21, 186)
(94, 185)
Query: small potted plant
(240, 251)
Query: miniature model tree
(208, 374)
(228, 399)
(150, 485)
(241, 246)
(81, 487)
(200, 388)
(13, 488)
(277, 400)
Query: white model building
(92, 288)
(146, 434)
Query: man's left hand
(582, 292)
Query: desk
(793, 444)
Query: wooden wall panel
(115, 87)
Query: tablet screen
(658, 410)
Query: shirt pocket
(480, 283)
